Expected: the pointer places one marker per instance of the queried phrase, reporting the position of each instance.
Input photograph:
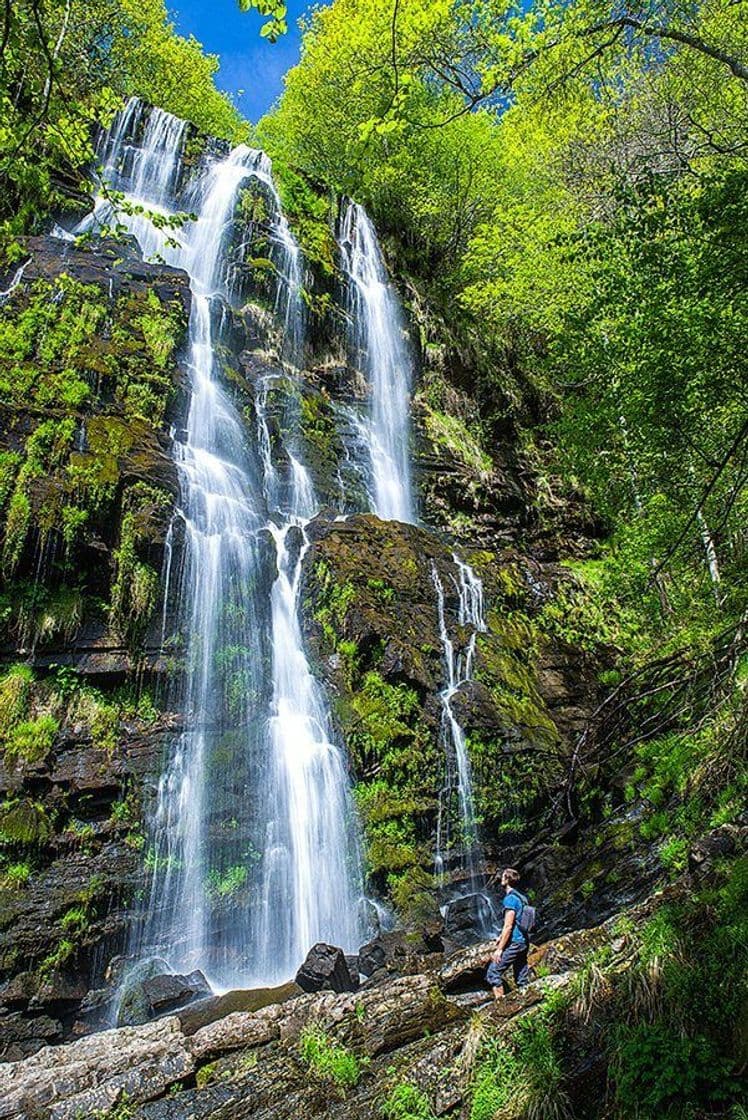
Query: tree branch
(735, 66)
(707, 491)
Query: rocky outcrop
(71, 915)
(405, 1031)
(90, 363)
(91, 357)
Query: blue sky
(251, 68)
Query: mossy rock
(89, 349)
(373, 628)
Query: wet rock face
(167, 993)
(91, 381)
(61, 926)
(467, 919)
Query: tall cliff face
(95, 363)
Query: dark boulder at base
(398, 952)
(470, 918)
(325, 968)
(168, 992)
(150, 992)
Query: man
(513, 943)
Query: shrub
(522, 1078)
(657, 1071)
(494, 1084)
(405, 1102)
(328, 1059)
(31, 739)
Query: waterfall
(15, 281)
(254, 852)
(458, 666)
(377, 333)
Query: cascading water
(459, 670)
(254, 851)
(378, 334)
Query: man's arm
(506, 934)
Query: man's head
(509, 878)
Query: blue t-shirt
(512, 901)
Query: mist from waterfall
(253, 842)
(379, 344)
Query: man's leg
(495, 976)
(498, 970)
(520, 967)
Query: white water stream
(378, 336)
(458, 663)
(254, 853)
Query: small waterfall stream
(458, 664)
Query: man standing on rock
(514, 939)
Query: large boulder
(170, 991)
(398, 951)
(470, 918)
(325, 968)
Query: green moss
(136, 586)
(94, 377)
(15, 693)
(161, 331)
(60, 956)
(451, 434)
(383, 714)
(31, 740)
(412, 892)
(58, 613)
(228, 883)
(17, 525)
(406, 1102)
(75, 920)
(502, 665)
(391, 846)
(23, 821)
(334, 601)
(206, 1074)
(378, 801)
